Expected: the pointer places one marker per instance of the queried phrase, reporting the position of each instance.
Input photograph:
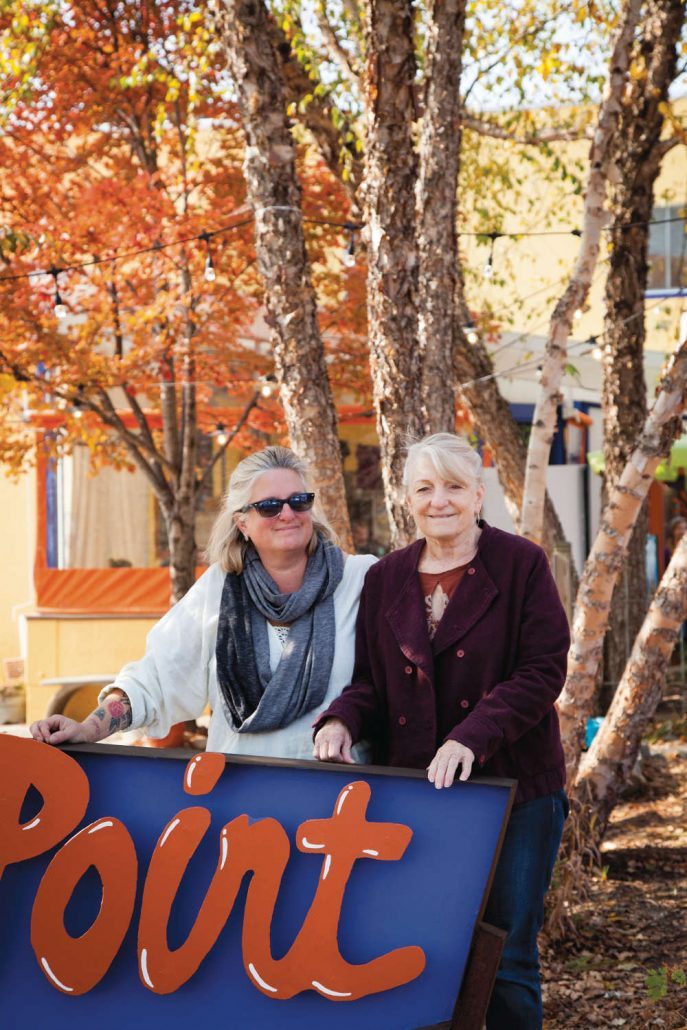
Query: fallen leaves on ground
(634, 920)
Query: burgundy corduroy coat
(488, 680)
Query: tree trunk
(637, 161)
(180, 523)
(575, 296)
(608, 763)
(628, 608)
(392, 295)
(275, 195)
(605, 560)
(436, 206)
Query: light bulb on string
(489, 265)
(59, 307)
(348, 256)
(470, 330)
(220, 434)
(268, 385)
(597, 352)
(209, 273)
(77, 410)
(578, 314)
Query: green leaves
(658, 981)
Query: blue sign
(282, 895)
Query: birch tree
(436, 213)
(575, 295)
(637, 155)
(275, 196)
(392, 250)
(605, 560)
(439, 198)
(607, 765)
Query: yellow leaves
(637, 70)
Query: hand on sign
(333, 742)
(112, 715)
(59, 729)
(442, 769)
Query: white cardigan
(177, 677)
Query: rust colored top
(437, 589)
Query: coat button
(402, 720)
(471, 572)
(408, 670)
(464, 703)
(460, 653)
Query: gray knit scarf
(256, 701)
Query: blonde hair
(226, 545)
(451, 455)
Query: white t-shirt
(177, 677)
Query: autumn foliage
(119, 148)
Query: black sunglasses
(272, 506)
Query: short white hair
(452, 456)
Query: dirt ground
(635, 918)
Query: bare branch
(337, 53)
(666, 145)
(485, 127)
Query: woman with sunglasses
(264, 637)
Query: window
(668, 249)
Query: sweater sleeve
(515, 705)
(359, 705)
(170, 684)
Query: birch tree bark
(436, 211)
(575, 295)
(603, 565)
(606, 767)
(637, 160)
(275, 195)
(392, 279)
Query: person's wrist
(90, 730)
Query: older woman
(265, 636)
(460, 654)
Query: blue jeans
(516, 904)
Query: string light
(220, 434)
(470, 331)
(348, 257)
(489, 266)
(209, 273)
(535, 363)
(597, 352)
(268, 385)
(349, 226)
(59, 307)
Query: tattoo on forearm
(115, 713)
